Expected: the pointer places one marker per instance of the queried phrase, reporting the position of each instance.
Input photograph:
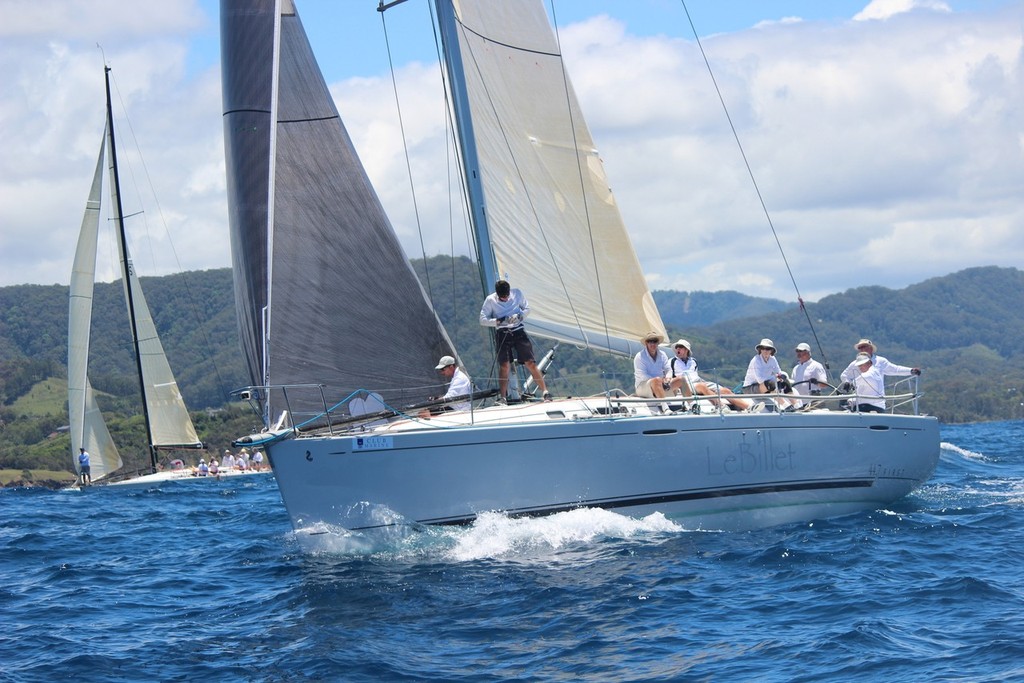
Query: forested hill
(195, 316)
(964, 329)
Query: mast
(448, 24)
(125, 267)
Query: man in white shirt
(808, 374)
(459, 382)
(650, 365)
(682, 375)
(882, 365)
(870, 386)
(505, 310)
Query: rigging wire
(405, 148)
(382, 8)
(579, 171)
(545, 238)
(753, 181)
(451, 152)
(451, 137)
(221, 383)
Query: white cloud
(886, 150)
(884, 9)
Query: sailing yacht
(327, 303)
(168, 424)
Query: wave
(492, 536)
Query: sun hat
(861, 359)
(445, 362)
(765, 343)
(803, 346)
(862, 342)
(682, 342)
(652, 336)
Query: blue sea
(205, 581)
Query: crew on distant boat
(228, 461)
(242, 459)
(84, 467)
(257, 460)
(683, 377)
(651, 368)
(459, 385)
(506, 309)
(214, 468)
(808, 374)
(202, 470)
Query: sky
(885, 137)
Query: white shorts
(645, 390)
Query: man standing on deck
(506, 309)
(84, 467)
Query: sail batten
(553, 224)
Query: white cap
(861, 359)
(803, 346)
(682, 342)
(445, 362)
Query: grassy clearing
(7, 476)
(48, 397)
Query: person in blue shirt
(83, 467)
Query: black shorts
(514, 344)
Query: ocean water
(205, 581)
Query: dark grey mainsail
(324, 291)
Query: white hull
(733, 471)
(164, 477)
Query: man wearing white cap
(682, 375)
(682, 369)
(882, 365)
(459, 382)
(870, 386)
(808, 374)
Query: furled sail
(324, 291)
(88, 430)
(554, 227)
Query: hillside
(685, 310)
(963, 329)
(195, 317)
